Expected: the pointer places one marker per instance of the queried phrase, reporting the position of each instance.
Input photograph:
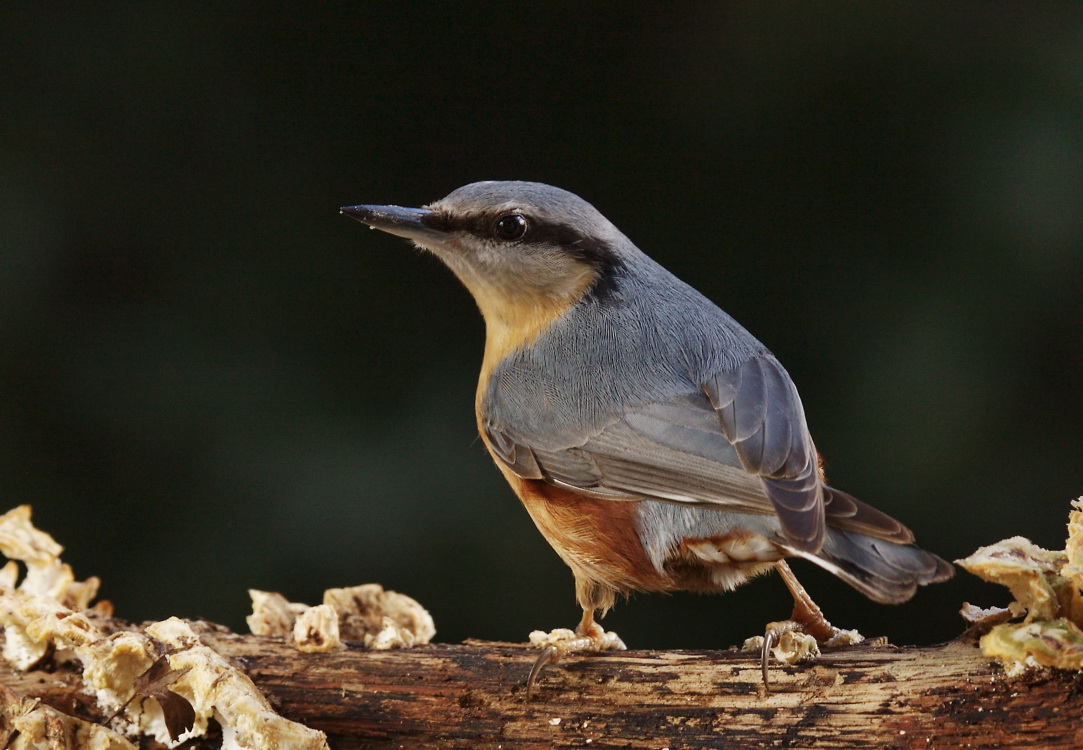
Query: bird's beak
(404, 222)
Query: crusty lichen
(1041, 643)
(47, 613)
(29, 724)
(316, 630)
(45, 574)
(379, 619)
(1047, 586)
(216, 688)
(47, 579)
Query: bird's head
(526, 251)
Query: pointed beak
(403, 222)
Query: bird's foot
(556, 644)
(789, 642)
(800, 637)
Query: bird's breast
(598, 539)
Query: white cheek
(513, 272)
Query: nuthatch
(656, 444)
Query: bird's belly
(598, 539)
(602, 542)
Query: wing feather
(739, 444)
(761, 414)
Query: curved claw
(546, 657)
(770, 640)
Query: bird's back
(648, 337)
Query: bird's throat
(513, 322)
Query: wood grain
(471, 696)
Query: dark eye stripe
(584, 248)
(589, 249)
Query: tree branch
(471, 696)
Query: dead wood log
(471, 696)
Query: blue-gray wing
(740, 443)
(673, 451)
(762, 417)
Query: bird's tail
(886, 572)
(873, 552)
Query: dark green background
(209, 380)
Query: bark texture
(472, 696)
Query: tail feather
(884, 571)
(846, 512)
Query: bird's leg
(805, 613)
(806, 619)
(555, 645)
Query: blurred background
(211, 381)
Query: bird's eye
(511, 227)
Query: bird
(656, 444)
